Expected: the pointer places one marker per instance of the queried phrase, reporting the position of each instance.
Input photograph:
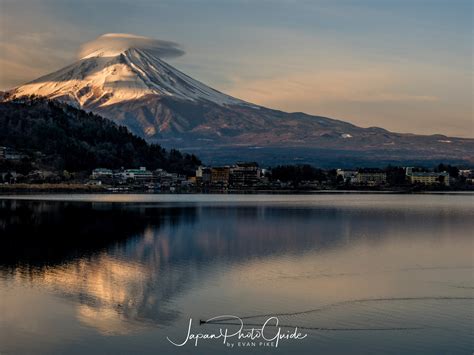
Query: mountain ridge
(136, 88)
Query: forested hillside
(65, 138)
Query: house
(7, 153)
(348, 176)
(101, 173)
(245, 174)
(43, 176)
(139, 175)
(371, 177)
(220, 176)
(427, 178)
(203, 175)
(9, 177)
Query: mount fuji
(124, 78)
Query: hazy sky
(405, 65)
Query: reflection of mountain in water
(81, 251)
(125, 263)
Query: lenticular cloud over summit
(111, 44)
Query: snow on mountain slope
(119, 73)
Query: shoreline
(50, 188)
(79, 189)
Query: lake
(354, 273)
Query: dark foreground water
(125, 273)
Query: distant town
(241, 176)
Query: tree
(73, 140)
(451, 170)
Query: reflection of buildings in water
(200, 233)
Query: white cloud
(114, 43)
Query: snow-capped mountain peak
(117, 68)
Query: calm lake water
(357, 273)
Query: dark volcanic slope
(223, 134)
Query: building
(101, 173)
(371, 177)
(348, 176)
(9, 177)
(7, 153)
(428, 178)
(139, 175)
(468, 175)
(167, 180)
(203, 175)
(161, 175)
(199, 171)
(220, 176)
(245, 174)
(470, 179)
